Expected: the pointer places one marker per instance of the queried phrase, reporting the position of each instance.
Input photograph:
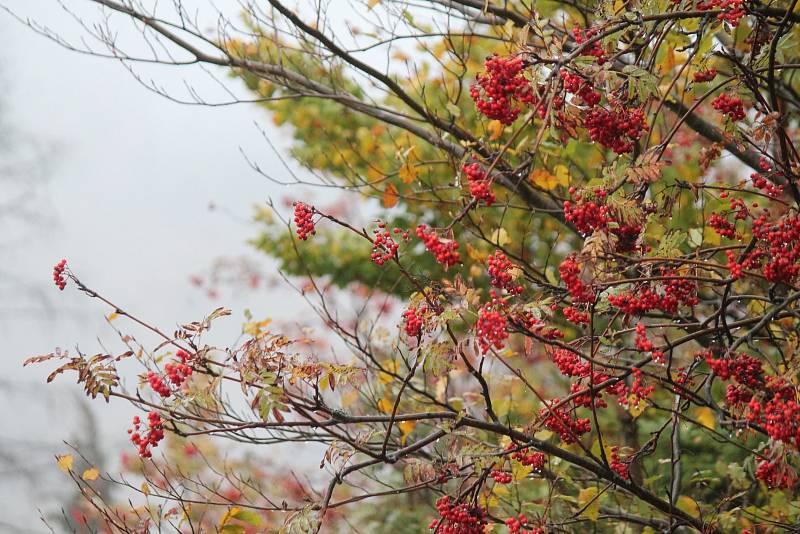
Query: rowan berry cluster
(480, 186)
(575, 316)
(730, 106)
(158, 384)
(516, 525)
(303, 220)
(569, 363)
(568, 427)
(588, 216)
(732, 10)
(500, 270)
(458, 518)
(638, 391)
(154, 434)
(177, 373)
(595, 49)
(444, 250)
(617, 129)
(58, 274)
(570, 273)
(414, 319)
(534, 460)
(501, 477)
(745, 369)
(584, 89)
(674, 293)
(384, 247)
(501, 88)
(766, 186)
(779, 246)
(490, 330)
(645, 345)
(776, 475)
(705, 75)
(617, 465)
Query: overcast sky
(130, 176)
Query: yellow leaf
(495, 130)
(390, 196)
(406, 428)
(113, 316)
(519, 471)
(385, 406)
(635, 406)
(500, 237)
(543, 179)
(588, 498)
(705, 416)
(688, 505)
(145, 489)
(65, 462)
(407, 173)
(227, 516)
(91, 474)
(373, 3)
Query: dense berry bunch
(303, 220)
(588, 216)
(580, 87)
(154, 434)
(745, 369)
(645, 345)
(779, 247)
(617, 129)
(500, 270)
(458, 518)
(568, 427)
(177, 373)
(705, 75)
(158, 384)
(384, 247)
(534, 460)
(58, 274)
(617, 465)
(501, 477)
(414, 319)
(766, 186)
(570, 273)
(673, 293)
(595, 49)
(501, 88)
(575, 316)
(490, 329)
(480, 186)
(569, 363)
(516, 525)
(730, 106)
(444, 250)
(722, 226)
(776, 475)
(732, 11)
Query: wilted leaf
(705, 416)
(248, 516)
(91, 474)
(390, 196)
(65, 462)
(588, 498)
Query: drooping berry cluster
(730, 106)
(617, 129)
(500, 270)
(776, 474)
(176, 373)
(490, 330)
(499, 91)
(458, 518)
(568, 427)
(384, 247)
(578, 86)
(480, 186)
(768, 187)
(590, 212)
(58, 274)
(617, 465)
(414, 320)
(745, 369)
(158, 384)
(535, 460)
(705, 75)
(570, 273)
(732, 11)
(444, 250)
(645, 345)
(595, 49)
(303, 220)
(154, 434)
(671, 294)
(517, 525)
(576, 316)
(501, 477)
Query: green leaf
(248, 516)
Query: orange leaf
(390, 196)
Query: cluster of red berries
(617, 129)
(501, 477)
(645, 345)
(500, 270)
(158, 384)
(588, 216)
(516, 525)
(458, 518)
(745, 369)
(781, 418)
(490, 329)
(705, 75)
(779, 245)
(384, 247)
(638, 391)
(480, 187)
(534, 460)
(503, 85)
(584, 89)
(444, 250)
(722, 226)
(303, 220)
(58, 274)
(732, 11)
(414, 320)
(730, 106)
(570, 273)
(177, 373)
(595, 49)
(155, 433)
(569, 363)
(568, 427)
(575, 316)
(776, 475)
(617, 465)
(766, 186)
(737, 395)
(675, 292)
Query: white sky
(131, 176)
